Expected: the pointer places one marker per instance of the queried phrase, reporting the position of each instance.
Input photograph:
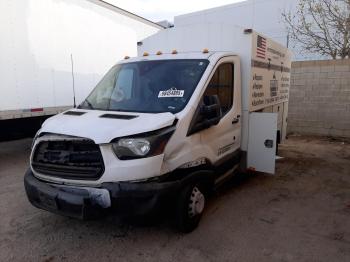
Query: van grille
(68, 159)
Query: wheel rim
(196, 203)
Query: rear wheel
(190, 207)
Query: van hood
(103, 126)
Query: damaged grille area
(68, 159)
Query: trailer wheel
(190, 207)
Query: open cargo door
(262, 142)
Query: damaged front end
(75, 177)
(77, 202)
(125, 198)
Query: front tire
(190, 207)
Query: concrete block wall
(319, 101)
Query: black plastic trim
(77, 160)
(126, 197)
(74, 113)
(119, 116)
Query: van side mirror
(208, 114)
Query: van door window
(221, 85)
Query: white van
(167, 126)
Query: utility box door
(262, 142)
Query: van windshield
(147, 86)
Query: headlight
(143, 145)
(132, 147)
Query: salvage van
(164, 128)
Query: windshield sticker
(172, 92)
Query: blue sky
(157, 10)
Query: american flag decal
(261, 47)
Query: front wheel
(190, 207)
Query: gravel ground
(301, 214)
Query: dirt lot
(301, 214)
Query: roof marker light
(159, 53)
(174, 52)
(248, 31)
(145, 54)
(205, 51)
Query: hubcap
(196, 203)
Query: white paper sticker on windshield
(173, 92)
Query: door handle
(235, 121)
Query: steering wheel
(119, 95)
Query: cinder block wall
(319, 101)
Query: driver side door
(223, 140)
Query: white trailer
(55, 51)
(164, 128)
